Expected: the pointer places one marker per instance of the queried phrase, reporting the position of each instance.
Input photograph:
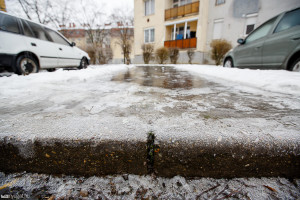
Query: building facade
(110, 43)
(193, 24)
(171, 23)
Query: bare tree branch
(124, 32)
(46, 12)
(97, 35)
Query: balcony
(182, 44)
(181, 11)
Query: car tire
(26, 64)
(51, 70)
(83, 63)
(228, 63)
(296, 66)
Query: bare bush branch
(148, 50)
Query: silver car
(273, 45)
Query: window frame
(152, 7)
(220, 3)
(149, 36)
(254, 17)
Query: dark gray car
(273, 45)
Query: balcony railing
(181, 11)
(182, 44)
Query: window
(149, 35)
(9, 23)
(57, 38)
(179, 35)
(39, 32)
(149, 7)
(250, 23)
(219, 2)
(177, 3)
(218, 27)
(27, 30)
(288, 21)
(261, 32)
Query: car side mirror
(73, 44)
(241, 41)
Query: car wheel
(83, 64)
(26, 64)
(296, 66)
(51, 70)
(228, 63)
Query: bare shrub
(148, 50)
(190, 54)
(174, 55)
(105, 55)
(92, 55)
(219, 48)
(162, 55)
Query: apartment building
(171, 23)
(195, 23)
(110, 42)
(233, 19)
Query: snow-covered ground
(281, 81)
(35, 186)
(223, 105)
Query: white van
(26, 47)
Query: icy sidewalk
(280, 81)
(34, 186)
(96, 122)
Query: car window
(261, 31)
(57, 38)
(27, 30)
(9, 23)
(39, 31)
(289, 20)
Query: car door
(11, 40)
(39, 42)
(249, 54)
(68, 55)
(284, 39)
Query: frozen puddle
(161, 76)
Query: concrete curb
(226, 160)
(195, 159)
(84, 158)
